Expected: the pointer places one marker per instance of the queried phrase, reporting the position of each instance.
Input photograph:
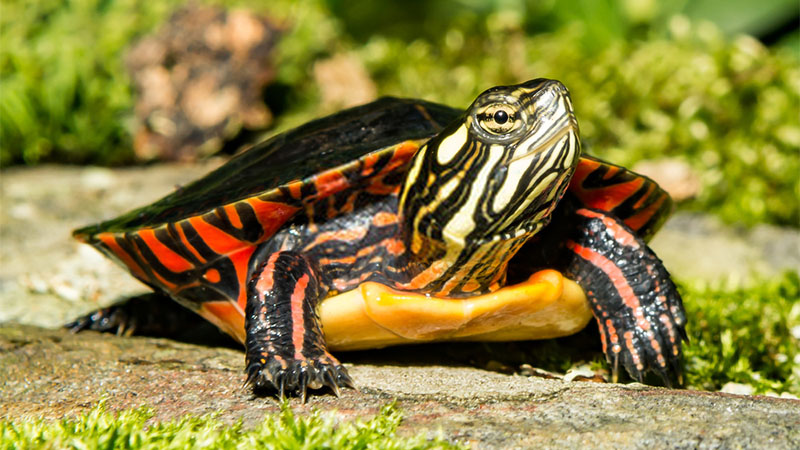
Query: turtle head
(496, 173)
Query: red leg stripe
(298, 316)
(617, 278)
(622, 235)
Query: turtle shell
(315, 159)
(204, 234)
(199, 243)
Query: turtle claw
(113, 319)
(297, 376)
(144, 315)
(665, 378)
(345, 379)
(656, 349)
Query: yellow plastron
(545, 306)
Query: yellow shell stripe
(546, 305)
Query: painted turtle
(406, 221)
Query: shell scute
(218, 220)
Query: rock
(674, 175)
(52, 373)
(47, 277)
(737, 388)
(697, 246)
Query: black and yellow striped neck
(487, 183)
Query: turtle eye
(497, 119)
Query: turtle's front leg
(637, 306)
(286, 348)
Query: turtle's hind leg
(154, 315)
(286, 349)
(637, 307)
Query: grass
(133, 429)
(66, 95)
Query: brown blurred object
(199, 80)
(673, 175)
(343, 82)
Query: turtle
(405, 221)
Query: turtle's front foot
(637, 306)
(286, 350)
(647, 338)
(271, 373)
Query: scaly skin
(646, 333)
(636, 305)
(287, 285)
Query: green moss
(744, 335)
(66, 96)
(132, 429)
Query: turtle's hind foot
(148, 314)
(105, 320)
(153, 315)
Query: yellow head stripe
(451, 145)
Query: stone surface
(48, 373)
(674, 175)
(46, 278)
(698, 246)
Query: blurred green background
(713, 84)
